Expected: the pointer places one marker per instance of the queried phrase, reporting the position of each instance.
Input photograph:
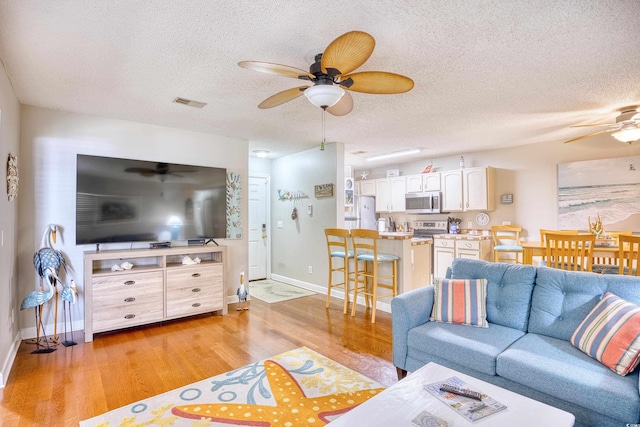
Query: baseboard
(8, 363)
(30, 332)
(380, 305)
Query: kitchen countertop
(403, 235)
(463, 236)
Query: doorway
(259, 230)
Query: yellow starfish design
(293, 407)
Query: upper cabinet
(478, 186)
(367, 187)
(423, 182)
(451, 183)
(390, 194)
(468, 190)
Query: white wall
(50, 141)
(301, 243)
(528, 172)
(9, 143)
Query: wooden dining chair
(506, 240)
(367, 270)
(629, 255)
(572, 252)
(543, 234)
(339, 256)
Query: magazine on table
(469, 408)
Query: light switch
(280, 224)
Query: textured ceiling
(487, 74)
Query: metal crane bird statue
(36, 299)
(47, 257)
(68, 295)
(243, 293)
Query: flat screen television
(124, 200)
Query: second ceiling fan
(332, 76)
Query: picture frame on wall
(323, 190)
(348, 192)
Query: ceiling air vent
(189, 102)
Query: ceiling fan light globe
(324, 96)
(627, 134)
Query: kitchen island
(414, 264)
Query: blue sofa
(532, 313)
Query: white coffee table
(403, 401)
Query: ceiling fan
(160, 169)
(625, 129)
(332, 73)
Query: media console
(158, 287)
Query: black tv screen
(123, 200)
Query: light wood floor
(75, 383)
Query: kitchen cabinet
(446, 249)
(468, 190)
(367, 188)
(390, 194)
(423, 182)
(451, 183)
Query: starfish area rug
(272, 291)
(297, 388)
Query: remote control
(461, 391)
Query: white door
(258, 228)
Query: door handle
(264, 231)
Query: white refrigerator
(363, 215)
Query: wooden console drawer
(127, 300)
(194, 290)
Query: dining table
(531, 249)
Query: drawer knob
(195, 275)
(130, 299)
(129, 316)
(196, 305)
(130, 282)
(196, 290)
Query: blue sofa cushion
(555, 367)
(476, 348)
(562, 299)
(508, 291)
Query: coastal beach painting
(609, 188)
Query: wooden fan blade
(587, 136)
(282, 97)
(594, 124)
(277, 69)
(347, 52)
(344, 106)
(379, 82)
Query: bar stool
(338, 247)
(367, 277)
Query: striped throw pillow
(611, 334)
(460, 301)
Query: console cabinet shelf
(158, 287)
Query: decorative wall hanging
(323, 190)
(234, 219)
(12, 177)
(605, 188)
(291, 195)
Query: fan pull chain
(324, 110)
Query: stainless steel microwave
(423, 203)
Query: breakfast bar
(414, 264)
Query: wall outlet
(469, 225)
(506, 222)
(310, 270)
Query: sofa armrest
(408, 310)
